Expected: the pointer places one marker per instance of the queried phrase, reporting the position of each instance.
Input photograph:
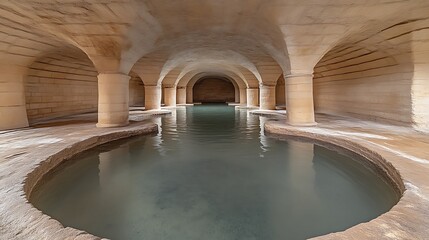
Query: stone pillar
(113, 100)
(181, 95)
(299, 100)
(237, 95)
(243, 96)
(170, 96)
(252, 97)
(13, 112)
(267, 97)
(152, 97)
(189, 95)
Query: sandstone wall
(214, 90)
(367, 84)
(280, 92)
(61, 84)
(136, 91)
(384, 76)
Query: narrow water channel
(212, 173)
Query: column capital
(119, 74)
(169, 86)
(151, 85)
(265, 85)
(299, 75)
(181, 87)
(113, 78)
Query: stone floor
(402, 148)
(26, 154)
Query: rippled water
(211, 173)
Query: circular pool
(212, 173)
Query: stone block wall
(359, 82)
(280, 92)
(136, 91)
(60, 84)
(213, 90)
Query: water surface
(211, 173)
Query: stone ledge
(23, 164)
(409, 218)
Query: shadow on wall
(214, 90)
(64, 83)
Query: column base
(112, 125)
(310, 124)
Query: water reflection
(157, 140)
(262, 138)
(212, 173)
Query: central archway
(214, 90)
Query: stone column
(252, 97)
(181, 95)
(299, 100)
(243, 96)
(113, 99)
(267, 97)
(152, 96)
(13, 112)
(189, 95)
(170, 96)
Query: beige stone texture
(280, 92)
(189, 95)
(136, 91)
(65, 83)
(243, 96)
(369, 59)
(378, 77)
(170, 96)
(214, 90)
(181, 95)
(60, 84)
(152, 97)
(252, 95)
(299, 99)
(12, 97)
(267, 97)
(113, 100)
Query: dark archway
(214, 90)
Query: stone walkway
(26, 154)
(397, 150)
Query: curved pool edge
(18, 217)
(20, 220)
(405, 220)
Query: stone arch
(378, 75)
(196, 57)
(187, 83)
(60, 83)
(64, 82)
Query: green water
(211, 173)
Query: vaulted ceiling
(254, 40)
